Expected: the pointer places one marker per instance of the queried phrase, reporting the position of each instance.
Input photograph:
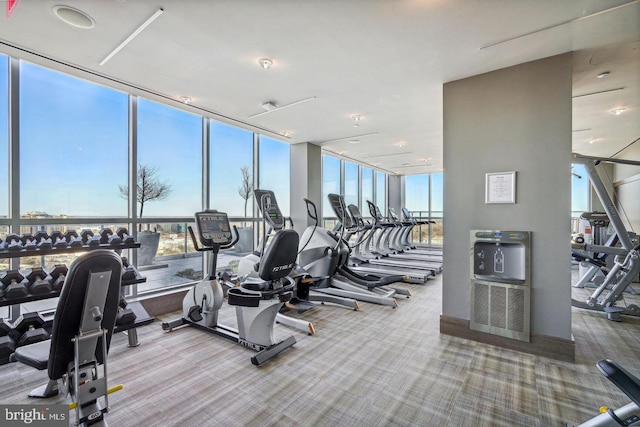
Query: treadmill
(400, 240)
(437, 249)
(355, 227)
(378, 237)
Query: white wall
(514, 119)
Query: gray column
(514, 119)
(306, 181)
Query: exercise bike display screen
(213, 228)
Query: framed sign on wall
(500, 187)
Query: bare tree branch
(246, 188)
(149, 187)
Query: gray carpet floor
(378, 366)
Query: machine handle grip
(235, 239)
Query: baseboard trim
(163, 304)
(540, 345)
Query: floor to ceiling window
(330, 184)
(351, 189)
(367, 187)
(423, 198)
(231, 175)
(169, 176)
(170, 148)
(75, 132)
(381, 191)
(232, 178)
(416, 188)
(275, 171)
(579, 190)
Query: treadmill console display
(213, 228)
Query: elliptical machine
(306, 284)
(257, 301)
(326, 254)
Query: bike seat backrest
(626, 382)
(279, 257)
(69, 312)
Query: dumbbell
(72, 238)
(28, 329)
(43, 241)
(58, 240)
(5, 327)
(125, 315)
(108, 237)
(38, 283)
(125, 237)
(14, 286)
(13, 242)
(7, 343)
(28, 242)
(58, 275)
(129, 272)
(89, 239)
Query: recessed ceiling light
(592, 140)
(74, 17)
(265, 63)
(354, 141)
(286, 134)
(618, 111)
(400, 144)
(603, 74)
(185, 100)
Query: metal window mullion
(359, 203)
(14, 163)
(14, 146)
(132, 172)
(342, 177)
(429, 214)
(256, 184)
(206, 163)
(206, 183)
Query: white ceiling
(385, 60)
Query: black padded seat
(56, 353)
(34, 355)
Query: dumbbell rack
(142, 317)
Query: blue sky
(74, 134)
